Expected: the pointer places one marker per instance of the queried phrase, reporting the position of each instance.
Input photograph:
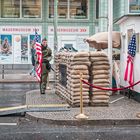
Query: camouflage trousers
(44, 76)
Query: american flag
(36, 39)
(130, 59)
(132, 46)
(39, 56)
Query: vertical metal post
(2, 71)
(55, 31)
(81, 115)
(55, 26)
(110, 27)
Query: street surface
(15, 127)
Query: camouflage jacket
(46, 54)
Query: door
(69, 45)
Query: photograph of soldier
(46, 67)
(24, 49)
(5, 47)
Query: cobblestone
(124, 109)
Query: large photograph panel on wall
(6, 49)
(24, 48)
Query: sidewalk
(20, 77)
(121, 112)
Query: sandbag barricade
(76, 63)
(99, 77)
(94, 67)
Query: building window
(78, 9)
(70, 9)
(134, 6)
(62, 8)
(51, 8)
(21, 8)
(10, 8)
(31, 8)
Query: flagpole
(110, 27)
(55, 32)
(55, 26)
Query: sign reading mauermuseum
(16, 43)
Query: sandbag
(101, 93)
(78, 89)
(100, 81)
(78, 93)
(100, 97)
(101, 67)
(74, 81)
(78, 101)
(101, 63)
(98, 72)
(78, 98)
(103, 76)
(98, 54)
(95, 59)
(102, 84)
(79, 67)
(78, 76)
(76, 85)
(84, 72)
(80, 63)
(80, 59)
(97, 90)
(100, 101)
(81, 54)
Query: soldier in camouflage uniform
(46, 58)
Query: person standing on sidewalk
(46, 67)
(33, 51)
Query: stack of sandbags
(79, 63)
(60, 59)
(100, 77)
(57, 59)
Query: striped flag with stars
(39, 56)
(132, 46)
(36, 38)
(130, 59)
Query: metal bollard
(81, 115)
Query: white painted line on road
(8, 124)
(116, 100)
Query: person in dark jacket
(33, 51)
